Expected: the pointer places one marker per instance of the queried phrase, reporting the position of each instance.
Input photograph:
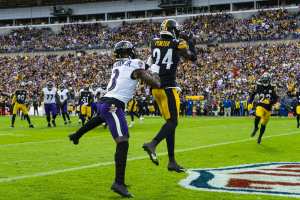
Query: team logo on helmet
(278, 179)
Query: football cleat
(74, 138)
(49, 125)
(173, 166)
(66, 123)
(121, 190)
(254, 132)
(150, 149)
(12, 126)
(31, 126)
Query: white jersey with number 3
(121, 85)
(49, 95)
(63, 95)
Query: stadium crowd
(220, 72)
(271, 25)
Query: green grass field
(41, 164)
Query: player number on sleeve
(167, 60)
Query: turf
(41, 164)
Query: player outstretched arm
(144, 75)
(187, 47)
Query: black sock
(82, 117)
(13, 119)
(120, 162)
(136, 114)
(53, 117)
(168, 128)
(94, 122)
(171, 146)
(132, 116)
(262, 130)
(68, 116)
(64, 116)
(298, 119)
(256, 122)
(48, 118)
(28, 119)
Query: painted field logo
(281, 179)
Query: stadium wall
(107, 8)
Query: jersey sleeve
(137, 64)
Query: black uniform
(86, 97)
(21, 96)
(165, 53)
(267, 96)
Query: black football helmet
(124, 49)
(170, 27)
(265, 79)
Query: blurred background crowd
(224, 75)
(264, 25)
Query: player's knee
(121, 139)
(172, 122)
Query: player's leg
(131, 113)
(65, 113)
(24, 110)
(174, 106)
(15, 111)
(116, 121)
(83, 111)
(89, 112)
(93, 123)
(264, 120)
(48, 111)
(167, 102)
(259, 112)
(54, 113)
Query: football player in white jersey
(125, 75)
(50, 99)
(63, 94)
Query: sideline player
(63, 94)
(85, 102)
(19, 102)
(132, 108)
(166, 51)
(50, 99)
(125, 75)
(267, 98)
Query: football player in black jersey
(19, 101)
(86, 99)
(298, 107)
(267, 98)
(166, 52)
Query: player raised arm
(187, 47)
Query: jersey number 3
(167, 60)
(116, 73)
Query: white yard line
(53, 172)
